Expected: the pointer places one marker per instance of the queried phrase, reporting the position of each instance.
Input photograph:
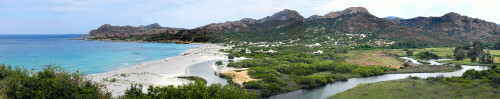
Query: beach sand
(162, 72)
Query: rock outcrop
(108, 31)
(350, 10)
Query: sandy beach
(162, 72)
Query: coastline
(161, 72)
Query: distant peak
(313, 17)
(106, 25)
(350, 10)
(357, 10)
(451, 14)
(393, 17)
(284, 15)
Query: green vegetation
(441, 52)
(195, 79)
(51, 82)
(427, 55)
(291, 68)
(408, 44)
(113, 80)
(473, 52)
(422, 89)
(472, 84)
(218, 63)
(197, 90)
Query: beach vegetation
(50, 83)
(196, 90)
(218, 63)
(113, 80)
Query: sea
(35, 51)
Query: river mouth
(206, 71)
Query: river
(206, 71)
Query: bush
(409, 53)
(406, 64)
(51, 82)
(230, 56)
(195, 90)
(218, 63)
(414, 77)
(427, 55)
(113, 80)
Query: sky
(81, 16)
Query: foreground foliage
(51, 82)
(197, 90)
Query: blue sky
(80, 16)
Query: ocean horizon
(34, 51)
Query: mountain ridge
(350, 20)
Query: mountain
(341, 27)
(357, 20)
(277, 20)
(393, 17)
(108, 31)
(454, 25)
(351, 26)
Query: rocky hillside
(357, 20)
(454, 25)
(451, 28)
(276, 21)
(108, 31)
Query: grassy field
(379, 57)
(446, 53)
(441, 52)
(417, 89)
(372, 57)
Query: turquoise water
(35, 51)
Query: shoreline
(161, 72)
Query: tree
(409, 53)
(459, 53)
(475, 51)
(427, 55)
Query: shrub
(51, 82)
(113, 80)
(414, 77)
(195, 90)
(406, 64)
(427, 55)
(218, 63)
(230, 56)
(409, 53)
